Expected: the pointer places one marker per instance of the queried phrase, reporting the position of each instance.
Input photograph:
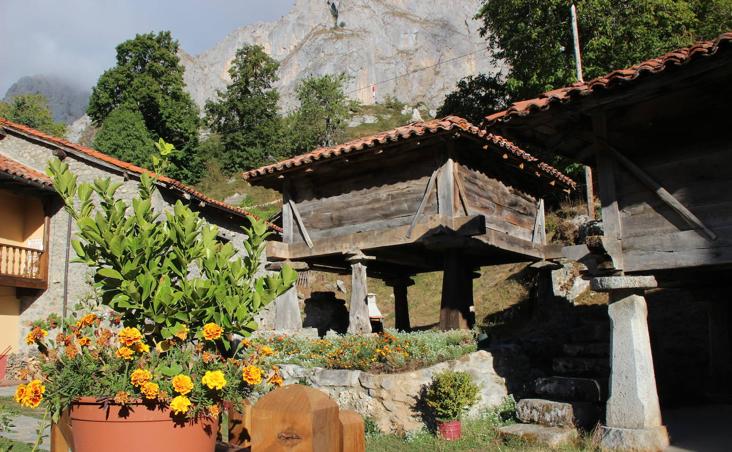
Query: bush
(450, 394)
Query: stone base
(538, 434)
(627, 439)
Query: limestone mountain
(66, 99)
(412, 50)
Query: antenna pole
(575, 38)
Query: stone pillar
(720, 354)
(401, 302)
(457, 293)
(633, 415)
(287, 311)
(358, 312)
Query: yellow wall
(9, 318)
(22, 220)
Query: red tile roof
(84, 151)
(619, 77)
(20, 171)
(415, 129)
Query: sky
(76, 39)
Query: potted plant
(449, 394)
(150, 366)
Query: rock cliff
(409, 49)
(66, 99)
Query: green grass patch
(8, 445)
(8, 403)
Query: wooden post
(358, 311)
(457, 293)
(296, 418)
(288, 220)
(61, 438)
(606, 177)
(401, 302)
(353, 431)
(446, 189)
(589, 193)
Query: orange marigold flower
(35, 335)
(180, 404)
(214, 379)
(84, 341)
(252, 375)
(30, 395)
(129, 336)
(125, 353)
(141, 347)
(122, 398)
(104, 337)
(71, 351)
(266, 350)
(213, 410)
(150, 390)
(208, 357)
(276, 379)
(182, 384)
(212, 332)
(140, 376)
(246, 343)
(20, 393)
(87, 320)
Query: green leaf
(109, 273)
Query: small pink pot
(450, 430)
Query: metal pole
(575, 38)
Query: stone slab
(610, 283)
(538, 434)
(552, 413)
(638, 440)
(569, 389)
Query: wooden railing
(26, 265)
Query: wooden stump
(296, 418)
(354, 431)
(358, 311)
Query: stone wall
(37, 155)
(392, 400)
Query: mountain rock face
(66, 100)
(412, 50)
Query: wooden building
(435, 195)
(658, 136)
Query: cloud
(75, 39)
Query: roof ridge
(126, 166)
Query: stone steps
(551, 413)
(570, 389)
(591, 332)
(538, 434)
(584, 367)
(589, 349)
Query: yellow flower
(275, 379)
(141, 347)
(180, 404)
(182, 384)
(214, 379)
(84, 341)
(213, 410)
(36, 335)
(211, 331)
(266, 350)
(87, 320)
(129, 336)
(30, 395)
(150, 390)
(252, 375)
(182, 332)
(125, 353)
(140, 376)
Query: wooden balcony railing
(23, 267)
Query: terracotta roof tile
(18, 170)
(569, 93)
(416, 129)
(126, 166)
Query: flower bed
(388, 352)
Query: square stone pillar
(358, 311)
(401, 302)
(287, 311)
(633, 415)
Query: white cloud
(76, 38)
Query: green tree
(245, 114)
(148, 78)
(474, 96)
(321, 117)
(534, 38)
(32, 110)
(124, 134)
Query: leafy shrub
(450, 394)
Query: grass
(8, 445)
(9, 403)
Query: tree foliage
(32, 110)
(474, 96)
(245, 114)
(124, 135)
(534, 38)
(321, 117)
(148, 78)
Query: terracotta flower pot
(137, 427)
(450, 430)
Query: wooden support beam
(457, 293)
(607, 192)
(300, 224)
(288, 223)
(446, 189)
(589, 193)
(461, 192)
(662, 193)
(425, 197)
(401, 302)
(539, 234)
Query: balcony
(23, 267)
